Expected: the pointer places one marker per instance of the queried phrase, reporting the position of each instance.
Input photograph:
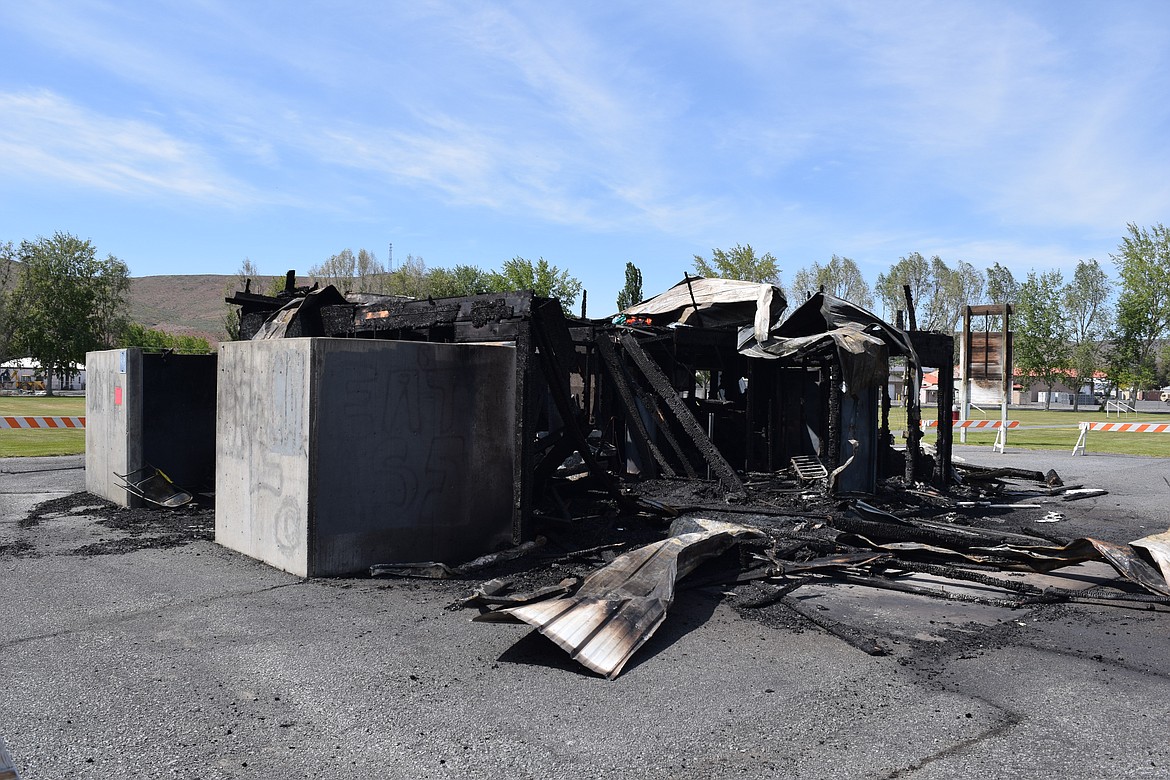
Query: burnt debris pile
(761, 436)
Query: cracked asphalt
(192, 661)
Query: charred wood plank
(549, 318)
(491, 331)
(338, 320)
(652, 455)
(658, 381)
(477, 311)
(648, 400)
(993, 472)
(407, 316)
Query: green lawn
(1058, 430)
(31, 443)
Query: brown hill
(182, 304)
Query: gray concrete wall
(262, 451)
(413, 452)
(113, 422)
(335, 454)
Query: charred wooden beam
(474, 318)
(658, 381)
(652, 456)
(648, 401)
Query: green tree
(338, 270)
(370, 274)
(458, 281)
(939, 291)
(542, 278)
(840, 277)
(1041, 335)
(913, 270)
(632, 292)
(1086, 299)
(110, 311)
(409, 279)
(348, 272)
(958, 287)
(72, 301)
(1143, 305)
(136, 335)
(1002, 288)
(739, 262)
(8, 275)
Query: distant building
(1023, 392)
(27, 374)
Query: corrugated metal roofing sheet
(618, 608)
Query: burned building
(708, 382)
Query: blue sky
(185, 136)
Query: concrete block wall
(148, 408)
(336, 454)
(113, 422)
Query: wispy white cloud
(1031, 126)
(1021, 115)
(582, 101)
(1024, 255)
(466, 166)
(516, 109)
(46, 137)
(815, 123)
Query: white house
(25, 372)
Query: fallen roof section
(618, 608)
(713, 303)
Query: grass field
(41, 442)
(1058, 430)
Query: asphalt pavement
(188, 660)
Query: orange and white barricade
(1000, 427)
(42, 422)
(1122, 427)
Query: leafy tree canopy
(71, 302)
(1143, 305)
(840, 277)
(542, 278)
(459, 280)
(939, 291)
(136, 335)
(1002, 286)
(8, 275)
(1086, 304)
(1041, 332)
(631, 293)
(739, 262)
